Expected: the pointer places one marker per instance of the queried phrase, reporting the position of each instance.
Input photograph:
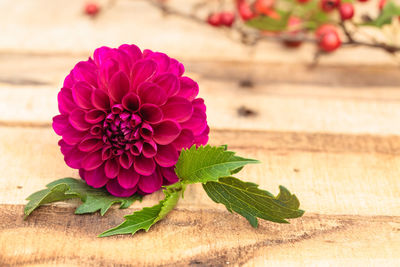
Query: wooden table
(330, 134)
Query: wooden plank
(302, 101)
(36, 69)
(276, 107)
(203, 237)
(331, 174)
(23, 30)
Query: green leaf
(67, 188)
(251, 202)
(389, 11)
(147, 217)
(266, 23)
(208, 163)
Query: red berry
(245, 10)
(346, 11)
(362, 0)
(329, 5)
(92, 9)
(303, 1)
(294, 25)
(263, 6)
(329, 41)
(381, 4)
(215, 19)
(323, 29)
(227, 18)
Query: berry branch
(291, 22)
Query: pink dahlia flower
(125, 117)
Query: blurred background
(41, 40)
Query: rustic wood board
(330, 134)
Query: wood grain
(348, 174)
(203, 237)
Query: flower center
(123, 129)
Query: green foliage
(208, 163)
(67, 188)
(389, 11)
(146, 217)
(251, 202)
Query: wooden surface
(330, 134)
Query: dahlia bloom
(125, 115)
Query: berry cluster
(326, 33)
(221, 19)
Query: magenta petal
(106, 152)
(64, 147)
(199, 103)
(111, 168)
(131, 102)
(169, 83)
(144, 166)
(90, 144)
(128, 178)
(151, 93)
(197, 123)
(66, 102)
(126, 160)
(188, 88)
(73, 158)
(177, 108)
(151, 183)
(85, 71)
(95, 130)
(149, 149)
(95, 116)
(82, 93)
(124, 62)
(72, 136)
(77, 120)
(166, 132)
(119, 86)
(169, 174)
(117, 109)
(95, 178)
(136, 149)
(161, 59)
(69, 81)
(142, 72)
(92, 160)
(100, 99)
(117, 190)
(101, 54)
(184, 140)
(107, 71)
(202, 139)
(175, 67)
(60, 124)
(167, 156)
(146, 131)
(133, 51)
(151, 113)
